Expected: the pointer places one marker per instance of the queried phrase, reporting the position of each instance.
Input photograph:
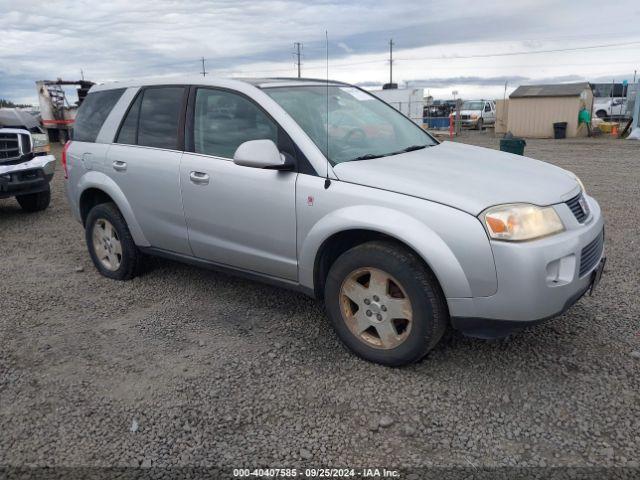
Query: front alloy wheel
(376, 308)
(385, 304)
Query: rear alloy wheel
(110, 244)
(107, 245)
(385, 304)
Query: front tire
(35, 202)
(110, 244)
(480, 124)
(385, 304)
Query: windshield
(472, 105)
(361, 126)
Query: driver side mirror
(261, 154)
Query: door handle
(199, 178)
(119, 166)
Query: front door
(236, 216)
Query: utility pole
(298, 54)
(203, 72)
(390, 61)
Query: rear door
(86, 152)
(238, 216)
(145, 163)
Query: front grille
(591, 254)
(465, 117)
(9, 147)
(579, 208)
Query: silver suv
(321, 187)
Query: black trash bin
(560, 130)
(513, 145)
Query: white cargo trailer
(409, 101)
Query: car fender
(401, 226)
(100, 181)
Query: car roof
(213, 81)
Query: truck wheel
(35, 202)
(385, 304)
(480, 124)
(110, 244)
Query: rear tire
(35, 202)
(385, 304)
(110, 244)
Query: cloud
(119, 40)
(345, 47)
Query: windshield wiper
(367, 156)
(414, 147)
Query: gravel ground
(184, 367)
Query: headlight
(584, 190)
(40, 139)
(40, 143)
(521, 221)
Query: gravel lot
(184, 366)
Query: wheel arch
(338, 232)
(96, 188)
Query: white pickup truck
(26, 166)
(477, 113)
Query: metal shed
(533, 109)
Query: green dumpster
(513, 145)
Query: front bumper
(469, 122)
(537, 280)
(28, 177)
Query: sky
(470, 47)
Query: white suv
(324, 188)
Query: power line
(502, 54)
(526, 52)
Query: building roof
(551, 90)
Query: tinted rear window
(129, 129)
(159, 114)
(93, 112)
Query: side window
(224, 120)
(129, 129)
(92, 114)
(487, 107)
(159, 117)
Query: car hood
(465, 177)
(468, 112)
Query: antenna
(327, 181)
(203, 72)
(298, 55)
(390, 61)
